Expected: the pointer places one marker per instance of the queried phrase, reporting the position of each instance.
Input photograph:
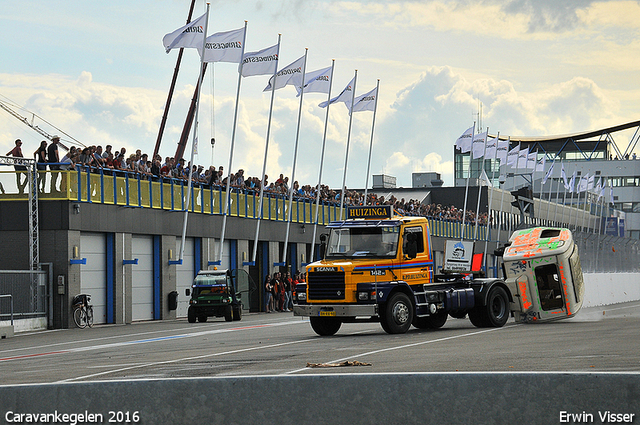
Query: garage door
(184, 275)
(142, 277)
(93, 275)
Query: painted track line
(400, 347)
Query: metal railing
(11, 302)
(28, 290)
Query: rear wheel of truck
(325, 326)
(228, 313)
(435, 321)
(191, 315)
(397, 314)
(495, 313)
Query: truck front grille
(326, 286)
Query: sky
(97, 71)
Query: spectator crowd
(109, 162)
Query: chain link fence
(608, 254)
(29, 292)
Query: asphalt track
(600, 339)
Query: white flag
(479, 142)
(290, 74)
(317, 81)
(224, 46)
(523, 158)
(540, 164)
(590, 182)
(549, 171)
(531, 160)
(563, 174)
(572, 182)
(364, 102)
(502, 150)
(344, 96)
(263, 62)
(464, 142)
(190, 35)
(512, 156)
(492, 146)
(598, 187)
(583, 183)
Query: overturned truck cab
(542, 270)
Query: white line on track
(400, 347)
(150, 340)
(204, 356)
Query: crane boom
(36, 128)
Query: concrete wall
(610, 288)
(417, 398)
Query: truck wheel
(228, 313)
(497, 307)
(191, 315)
(202, 319)
(477, 317)
(325, 326)
(495, 314)
(397, 314)
(237, 312)
(435, 321)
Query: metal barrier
(28, 290)
(411, 398)
(11, 302)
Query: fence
(28, 290)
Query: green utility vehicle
(213, 294)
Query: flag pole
(233, 140)
(555, 210)
(295, 157)
(475, 230)
(500, 213)
(466, 189)
(324, 141)
(194, 143)
(264, 163)
(346, 154)
(486, 239)
(375, 108)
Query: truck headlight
(302, 296)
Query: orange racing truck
(377, 266)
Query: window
(419, 238)
(549, 288)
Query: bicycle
(82, 311)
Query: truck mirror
(411, 247)
(187, 292)
(323, 244)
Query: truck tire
(435, 321)
(228, 313)
(237, 312)
(497, 307)
(397, 315)
(191, 315)
(325, 326)
(495, 313)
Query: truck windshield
(380, 242)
